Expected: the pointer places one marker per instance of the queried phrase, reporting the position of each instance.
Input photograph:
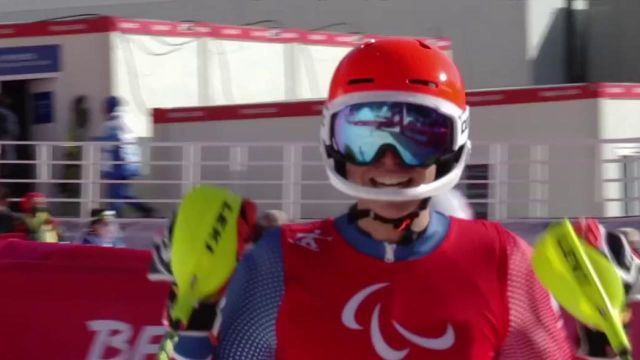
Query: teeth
(391, 180)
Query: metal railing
(504, 181)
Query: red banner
(63, 301)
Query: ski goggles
(418, 134)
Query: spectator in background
(8, 220)
(115, 129)
(267, 220)
(9, 131)
(453, 203)
(37, 221)
(77, 132)
(272, 218)
(103, 230)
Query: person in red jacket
(389, 279)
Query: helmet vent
(421, 82)
(424, 45)
(360, 81)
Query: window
(631, 174)
(475, 185)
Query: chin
(391, 209)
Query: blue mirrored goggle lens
(419, 134)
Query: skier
(390, 279)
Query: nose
(390, 159)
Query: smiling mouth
(390, 181)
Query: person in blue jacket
(121, 162)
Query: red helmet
(403, 71)
(398, 64)
(28, 201)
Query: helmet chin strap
(401, 224)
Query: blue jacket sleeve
(248, 316)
